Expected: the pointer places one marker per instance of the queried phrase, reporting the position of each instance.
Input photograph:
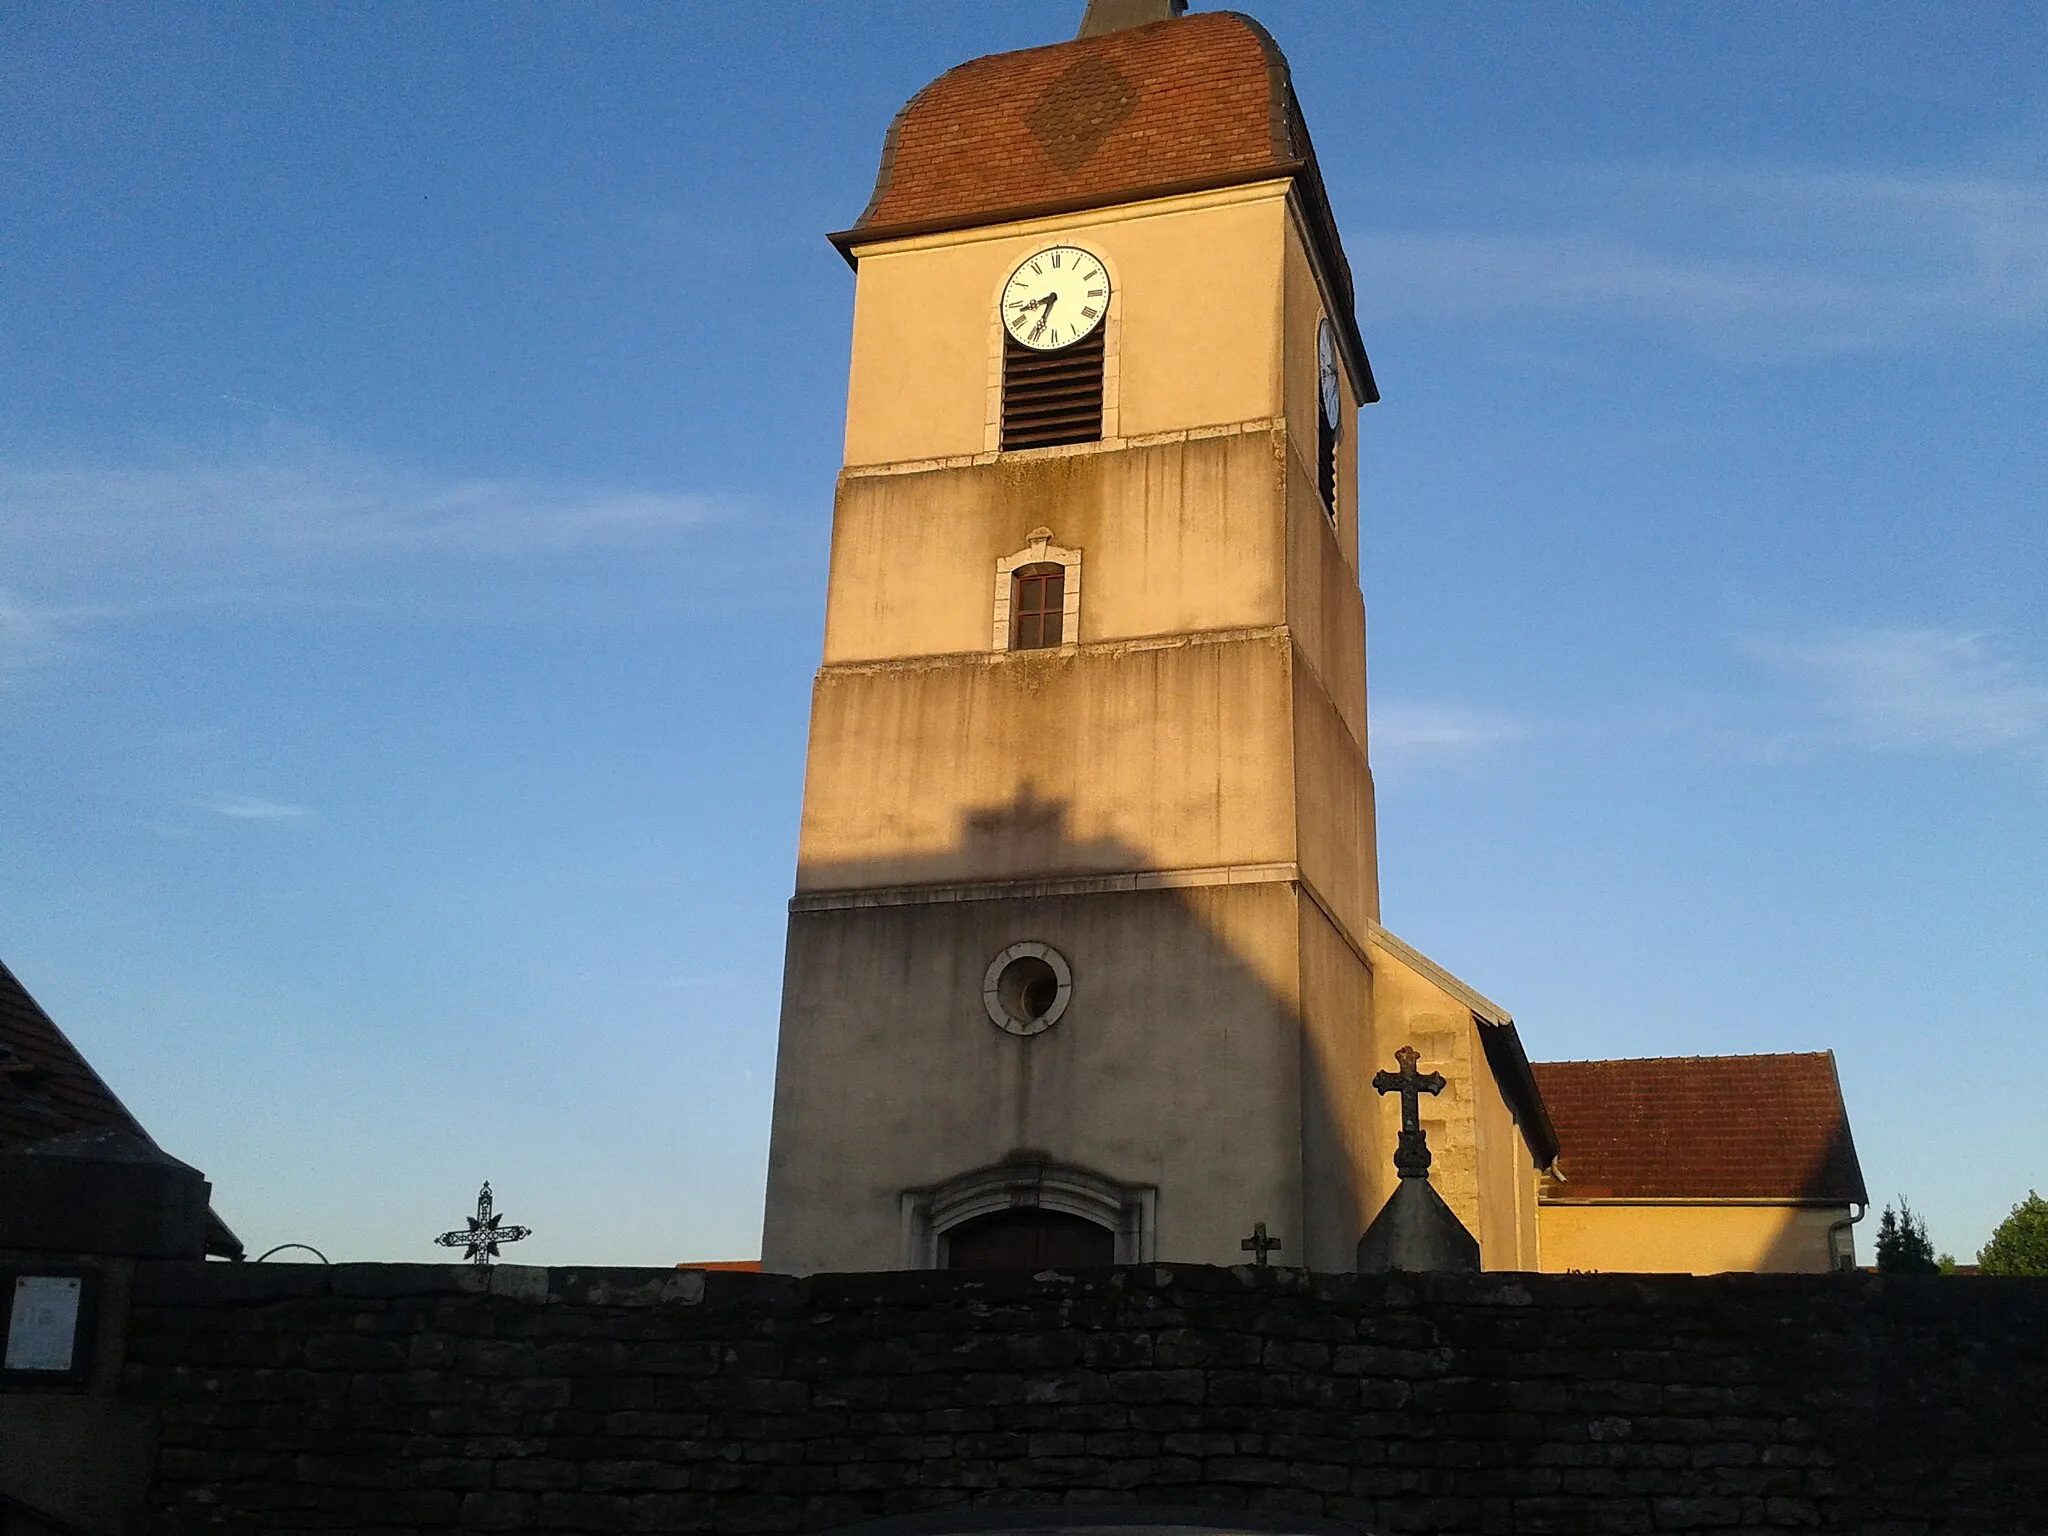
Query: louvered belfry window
(1038, 602)
(1052, 397)
(1326, 464)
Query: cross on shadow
(1258, 1245)
(1411, 1157)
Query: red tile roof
(48, 1090)
(1175, 106)
(1203, 99)
(1702, 1128)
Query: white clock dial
(1055, 297)
(1327, 376)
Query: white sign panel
(42, 1329)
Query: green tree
(2019, 1244)
(1903, 1247)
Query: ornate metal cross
(480, 1243)
(1411, 1157)
(1258, 1245)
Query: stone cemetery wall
(397, 1398)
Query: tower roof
(1177, 106)
(1702, 1128)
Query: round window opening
(1027, 988)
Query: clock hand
(1039, 329)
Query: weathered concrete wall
(399, 1399)
(1177, 1065)
(1175, 537)
(1173, 754)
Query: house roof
(1702, 1128)
(48, 1090)
(1175, 106)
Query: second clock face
(1055, 298)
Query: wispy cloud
(249, 808)
(301, 523)
(196, 529)
(28, 637)
(1916, 689)
(1411, 735)
(1749, 263)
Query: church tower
(1079, 962)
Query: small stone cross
(1258, 1245)
(1411, 1157)
(480, 1242)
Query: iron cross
(480, 1243)
(1258, 1245)
(1411, 1157)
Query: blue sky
(415, 479)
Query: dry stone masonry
(382, 1398)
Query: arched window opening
(1038, 605)
(1028, 1237)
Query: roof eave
(1862, 1196)
(221, 1242)
(1502, 1043)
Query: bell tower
(1077, 966)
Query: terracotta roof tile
(1174, 106)
(46, 1088)
(1202, 98)
(1702, 1127)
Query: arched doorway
(1029, 1237)
(1027, 1212)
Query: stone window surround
(1112, 348)
(1040, 550)
(991, 999)
(1026, 1180)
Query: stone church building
(1085, 961)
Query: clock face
(1328, 379)
(1055, 298)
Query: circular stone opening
(1027, 988)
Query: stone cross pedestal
(1414, 1230)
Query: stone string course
(389, 1398)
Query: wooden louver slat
(1051, 398)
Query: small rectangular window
(1038, 600)
(1051, 398)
